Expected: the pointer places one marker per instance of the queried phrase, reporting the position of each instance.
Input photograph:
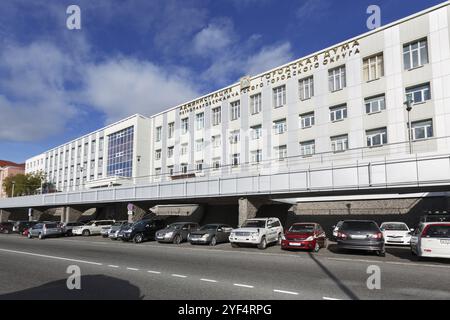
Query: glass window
(184, 168)
(280, 152)
(199, 166)
(216, 116)
(307, 148)
(376, 137)
(200, 121)
(234, 137)
(415, 54)
(418, 94)
(170, 152)
(373, 67)
(158, 133)
(171, 129)
(279, 96)
(184, 125)
(235, 110)
(280, 126)
(184, 149)
(120, 153)
(375, 104)
(337, 78)
(306, 87)
(216, 163)
(256, 132)
(235, 159)
(170, 170)
(307, 120)
(199, 145)
(339, 143)
(338, 113)
(255, 104)
(422, 130)
(256, 156)
(216, 141)
(158, 154)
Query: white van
(431, 239)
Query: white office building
(336, 106)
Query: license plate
(294, 244)
(358, 237)
(445, 241)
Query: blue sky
(142, 56)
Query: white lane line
(113, 266)
(358, 260)
(178, 275)
(208, 280)
(417, 264)
(51, 257)
(132, 269)
(287, 292)
(154, 272)
(243, 285)
(328, 298)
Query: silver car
(44, 230)
(116, 228)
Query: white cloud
(216, 36)
(312, 10)
(268, 58)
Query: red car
(308, 236)
(25, 232)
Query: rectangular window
(235, 110)
(373, 67)
(235, 159)
(280, 152)
(422, 130)
(100, 144)
(199, 145)
(256, 156)
(170, 152)
(307, 148)
(184, 149)
(200, 121)
(338, 113)
(415, 54)
(234, 137)
(280, 126)
(216, 141)
(279, 96)
(158, 154)
(171, 130)
(216, 116)
(375, 104)
(184, 168)
(216, 163)
(306, 87)
(184, 125)
(170, 170)
(376, 137)
(199, 166)
(337, 79)
(418, 94)
(158, 134)
(255, 104)
(256, 132)
(120, 153)
(307, 120)
(339, 143)
(157, 172)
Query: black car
(361, 235)
(20, 226)
(6, 227)
(210, 234)
(176, 232)
(142, 230)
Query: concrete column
(70, 214)
(138, 214)
(248, 207)
(34, 215)
(4, 215)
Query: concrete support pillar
(34, 214)
(70, 215)
(248, 207)
(137, 214)
(4, 215)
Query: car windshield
(175, 226)
(395, 227)
(118, 224)
(439, 232)
(359, 226)
(209, 227)
(301, 228)
(254, 224)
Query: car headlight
(205, 236)
(310, 238)
(232, 234)
(254, 234)
(168, 234)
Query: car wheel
(235, 245)
(213, 241)
(177, 239)
(381, 253)
(30, 236)
(263, 244)
(325, 243)
(317, 247)
(40, 236)
(86, 233)
(279, 239)
(138, 238)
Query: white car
(431, 239)
(92, 228)
(259, 232)
(396, 233)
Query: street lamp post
(408, 104)
(12, 191)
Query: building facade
(341, 104)
(9, 169)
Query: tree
(24, 184)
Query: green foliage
(24, 184)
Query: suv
(176, 232)
(92, 228)
(257, 231)
(142, 230)
(45, 229)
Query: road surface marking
(328, 298)
(112, 266)
(132, 269)
(243, 285)
(208, 280)
(178, 275)
(287, 292)
(51, 257)
(155, 272)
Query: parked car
(92, 228)
(26, 232)
(176, 232)
(44, 230)
(308, 236)
(6, 227)
(396, 233)
(116, 230)
(211, 234)
(361, 235)
(142, 230)
(435, 217)
(336, 229)
(431, 239)
(68, 227)
(259, 232)
(20, 226)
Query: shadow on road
(338, 282)
(93, 287)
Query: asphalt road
(36, 269)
